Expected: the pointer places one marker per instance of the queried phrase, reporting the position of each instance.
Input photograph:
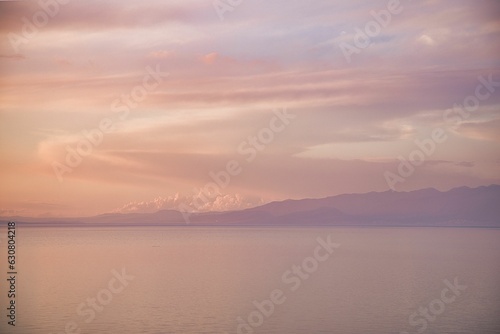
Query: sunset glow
(161, 97)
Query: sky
(136, 106)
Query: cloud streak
(353, 120)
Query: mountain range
(458, 207)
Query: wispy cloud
(353, 120)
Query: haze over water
(120, 118)
(200, 280)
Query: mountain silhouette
(458, 207)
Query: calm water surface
(206, 280)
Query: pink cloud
(160, 54)
(219, 202)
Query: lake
(255, 280)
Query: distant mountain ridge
(460, 207)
